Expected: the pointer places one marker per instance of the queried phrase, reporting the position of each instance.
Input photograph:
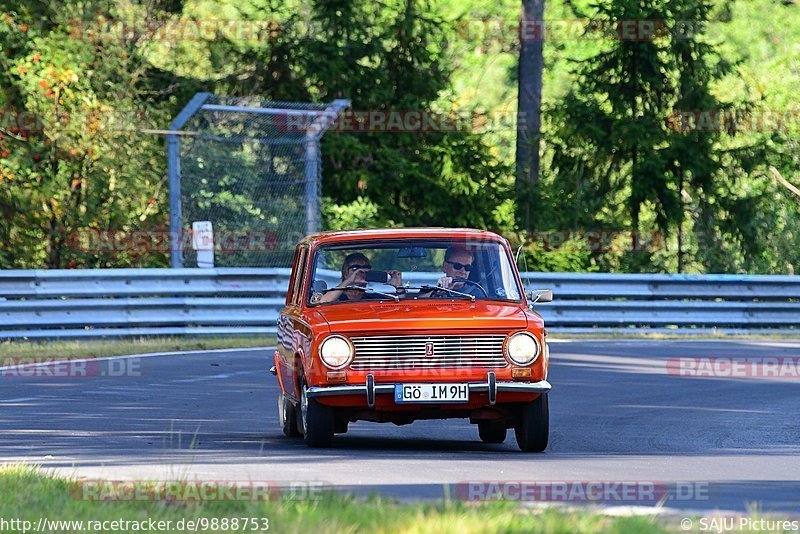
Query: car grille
(410, 352)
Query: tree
(389, 57)
(531, 66)
(73, 161)
(693, 155)
(615, 125)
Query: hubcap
(304, 409)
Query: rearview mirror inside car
(411, 252)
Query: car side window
(297, 287)
(297, 275)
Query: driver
(457, 264)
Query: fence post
(175, 219)
(174, 174)
(313, 174)
(312, 183)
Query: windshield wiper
(387, 295)
(451, 291)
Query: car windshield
(413, 269)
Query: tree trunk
(680, 222)
(54, 244)
(529, 107)
(636, 201)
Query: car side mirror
(319, 286)
(541, 295)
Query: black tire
(318, 421)
(492, 432)
(340, 426)
(533, 426)
(287, 416)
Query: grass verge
(28, 495)
(63, 350)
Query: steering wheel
(472, 283)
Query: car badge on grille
(428, 349)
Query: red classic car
(397, 325)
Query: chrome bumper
(370, 389)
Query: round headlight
(522, 348)
(336, 352)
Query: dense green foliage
(613, 158)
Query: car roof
(400, 233)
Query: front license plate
(431, 393)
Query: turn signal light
(519, 373)
(337, 376)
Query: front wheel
(533, 426)
(318, 421)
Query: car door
(294, 334)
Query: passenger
(354, 270)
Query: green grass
(27, 494)
(62, 350)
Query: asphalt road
(617, 416)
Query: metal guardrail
(670, 303)
(140, 302)
(144, 302)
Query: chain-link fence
(252, 168)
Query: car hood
(415, 316)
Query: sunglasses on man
(357, 267)
(458, 266)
